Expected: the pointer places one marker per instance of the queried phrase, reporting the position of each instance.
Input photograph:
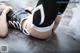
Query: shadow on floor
(18, 42)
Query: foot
(16, 17)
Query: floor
(60, 42)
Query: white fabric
(40, 29)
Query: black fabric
(52, 8)
(50, 11)
(61, 5)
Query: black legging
(51, 9)
(61, 5)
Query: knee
(3, 30)
(3, 33)
(39, 35)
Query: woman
(39, 23)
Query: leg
(3, 27)
(50, 17)
(3, 23)
(40, 23)
(42, 35)
(35, 33)
(44, 10)
(56, 23)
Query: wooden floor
(60, 42)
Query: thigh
(3, 23)
(44, 15)
(3, 27)
(45, 12)
(37, 34)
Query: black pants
(50, 9)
